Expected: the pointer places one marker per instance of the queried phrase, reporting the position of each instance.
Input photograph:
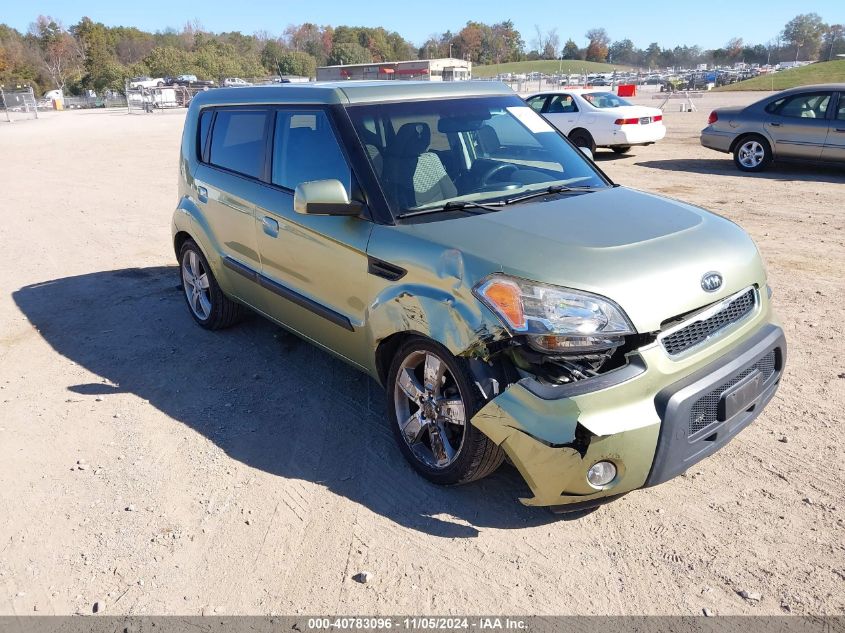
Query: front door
(314, 267)
(798, 125)
(834, 147)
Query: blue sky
(708, 23)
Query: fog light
(601, 474)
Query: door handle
(202, 194)
(775, 124)
(840, 129)
(270, 226)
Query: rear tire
(431, 418)
(752, 153)
(582, 138)
(207, 304)
(621, 149)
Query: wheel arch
(179, 239)
(745, 135)
(457, 321)
(579, 130)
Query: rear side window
(561, 104)
(238, 141)
(811, 105)
(305, 149)
(202, 138)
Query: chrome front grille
(706, 409)
(707, 323)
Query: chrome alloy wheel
(751, 154)
(429, 409)
(195, 284)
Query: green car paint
(352, 284)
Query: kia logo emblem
(711, 281)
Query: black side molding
(386, 270)
(286, 293)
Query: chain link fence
(140, 100)
(18, 104)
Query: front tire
(207, 304)
(752, 154)
(431, 400)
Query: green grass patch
(820, 73)
(547, 66)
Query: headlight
(555, 319)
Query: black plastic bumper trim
(636, 366)
(286, 293)
(677, 450)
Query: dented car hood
(647, 253)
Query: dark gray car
(806, 123)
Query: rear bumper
(713, 139)
(553, 441)
(637, 134)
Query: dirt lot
(158, 468)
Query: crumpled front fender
(543, 440)
(435, 300)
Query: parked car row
(803, 124)
(161, 82)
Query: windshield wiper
(455, 206)
(545, 192)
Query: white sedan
(594, 118)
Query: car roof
(813, 87)
(350, 92)
(574, 91)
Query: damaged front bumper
(653, 418)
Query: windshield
(428, 153)
(604, 100)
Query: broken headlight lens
(555, 319)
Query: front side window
(537, 103)
(427, 153)
(238, 141)
(305, 148)
(811, 105)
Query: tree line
(89, 55)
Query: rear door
(834, 148)
(798, 124)
(233, 145)
(562, 112)
(314, 267)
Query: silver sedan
(806, 123)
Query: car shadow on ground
(725, 167)
(607, 156)
(264, 396)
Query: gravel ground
(153, 467)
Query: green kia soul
(512, 300)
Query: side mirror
(586, 151)
(324, 197)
